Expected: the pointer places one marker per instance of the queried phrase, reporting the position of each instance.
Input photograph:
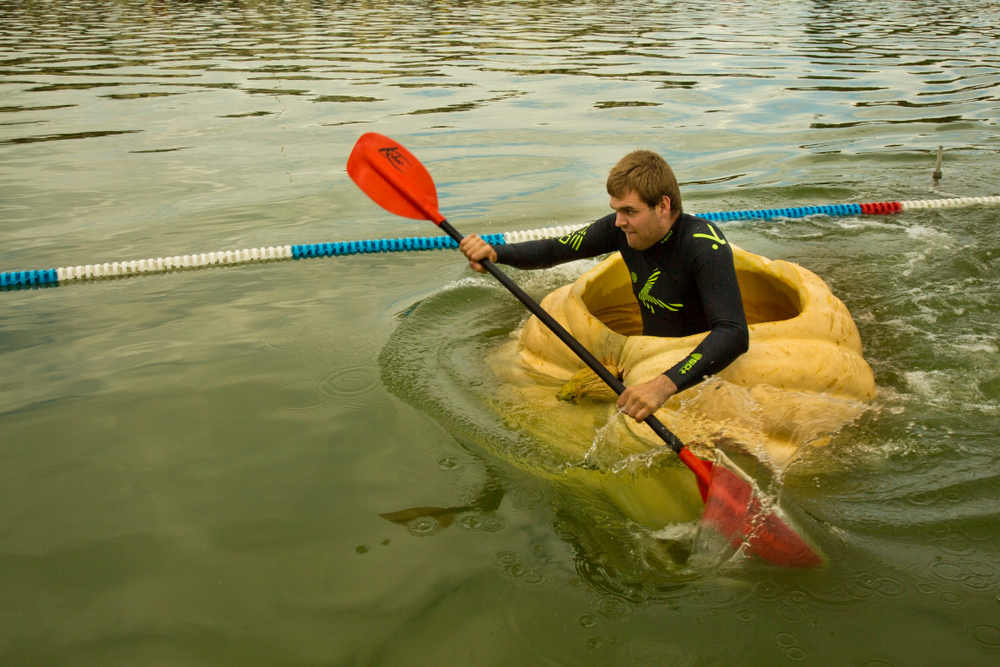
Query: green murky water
(193, 465)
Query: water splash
(606, 455)
(605, 451)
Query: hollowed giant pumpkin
(802, 379)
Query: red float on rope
(881, 208)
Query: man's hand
(641, 400)
(476, 250)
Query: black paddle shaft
(672, 440)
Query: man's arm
(597, 239)
(728, 337)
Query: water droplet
(859, 588)
(948, 571)
(795, 653)
(980, 569)
(513, 570)
(297, 396)
(951, 598)
(563, 530)
(587, 620)
(936, 532)
(533, 577)
(722, 597)
(385, 542)
(745, 615)
(470, 521)
(424, 526)
(349, 388)
(505, 558)
(361, 549)
(613, 608)
(527, 497)
(987, 635)
(978, 584)
(791, 614)
(492, 524)
(784, 638)
(449, 463)
(890, 587)
(594, 643)
(797, 597)
(766, 590)
(956, 548)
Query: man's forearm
(724, 343)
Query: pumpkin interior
(767, 298)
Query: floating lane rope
(33, 279)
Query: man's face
(643, 226)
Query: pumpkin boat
(801, 381)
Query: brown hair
(649, 176)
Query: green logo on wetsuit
(714, 236)
(575, 239)
(634, 278)
(649, 301)
(669, 234)
(692, 360)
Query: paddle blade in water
(735, 517)
(394, 178)
(702, 471)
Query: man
(681, 266)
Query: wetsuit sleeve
(597, 239)
(711, 261)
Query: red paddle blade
(738, 515)
(393, 178)
(701, 468)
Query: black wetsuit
(685, 284)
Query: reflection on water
(469, 515)
(192, 467)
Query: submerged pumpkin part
(801, 381)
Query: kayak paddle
(398, 182)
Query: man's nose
(620, 220)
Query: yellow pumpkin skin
(802, 379)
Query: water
(193, 466)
